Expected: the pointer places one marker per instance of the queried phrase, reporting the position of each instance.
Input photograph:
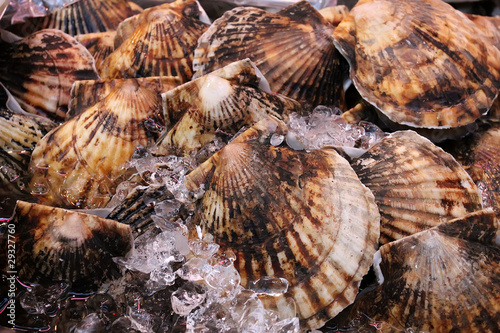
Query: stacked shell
(292, 214)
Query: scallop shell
(13, 182)
(54, 244)
(78, 163)
(40, 69)
(489, 25)
(416, 184)
(334, 14)
(422, 63)
(293, 49)
(81, 17)
(87, 93)
(99, 44)
(444, 279)
(162, 44)
(292, 214)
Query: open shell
(81, 17)
(78, 163)
(421, 63)
(40, 69)
(162, 44)
(292, 48)
(292, 214)
(99, 44)
(54, 244)
(444, 279)
(416, 184)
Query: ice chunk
(223, 282)
(203, 248)
(194, 269)
(213, 317)
(187, 298)
(91, 324)
(271, 286)
(291, 325)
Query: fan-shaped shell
(301, 216)
(78, 163)
(293, 49)
(40, 69)
(87, 93)
(162, 44)
(416, 184)
(54, 244)
(81, 17)
(422, 63)
(444, 279)
(99, 44)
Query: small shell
(444, 279)
(422, 63)
(81, 17)
(301, 216)
(293, 49)
(162, 44)
(78, 163)
(55, 244)
(85, 94)
(416, 184)
(99, 44)
(40, 69)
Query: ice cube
(187, 298)
(91, 324)
(194, 269)
(271, 286)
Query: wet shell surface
(162, 44)
(421, 63)
(87, 93)
(81, 17)
(40, 69)
(78, 163)
(489, 25)
(99, 44)
(416, 184)
(292, 48)
(444, 279)
(54, 244)
(301, 216)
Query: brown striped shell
(162, 44)
(421, 63)
(489, 25)
(416, 184)
(78, 163)
(444, 279)
(292, 48)
(40, 69)
(87, 93)
(301, 216)
(99, 44)
(54, 244)
(81, 17)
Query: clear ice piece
(291, 325)
(202, 248)
(186, 298)
(223, 281)
(91, 324)
(271, 286)
(194, 269)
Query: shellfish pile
(267, 172)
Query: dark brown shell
(301, 216)
(81, 17)
(421, 63)
(40, 69)
(99, 44)
(79, 163)
(416, 184)
(162, 44)
(444, 279)
(292, 48)
(54, 244)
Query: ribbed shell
(87, 93)
(302, 216)
(293, 49)
(422, 63)
(78, 163)
(162, 44)
(489, 25)
(212, 103)
(99, 44)
(54, 244)
(40, 69)
(444, 279)
(81, 17)
(416, 184)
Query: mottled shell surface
(490, 25)
(54, 244)
(81, 17)
(87, 93)
(444, 279)
(301, 216)
(78, 163)
(162, 44)
(416, 184)
(292, 48)
(40, 69)
(421, 63)
(99, 44)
